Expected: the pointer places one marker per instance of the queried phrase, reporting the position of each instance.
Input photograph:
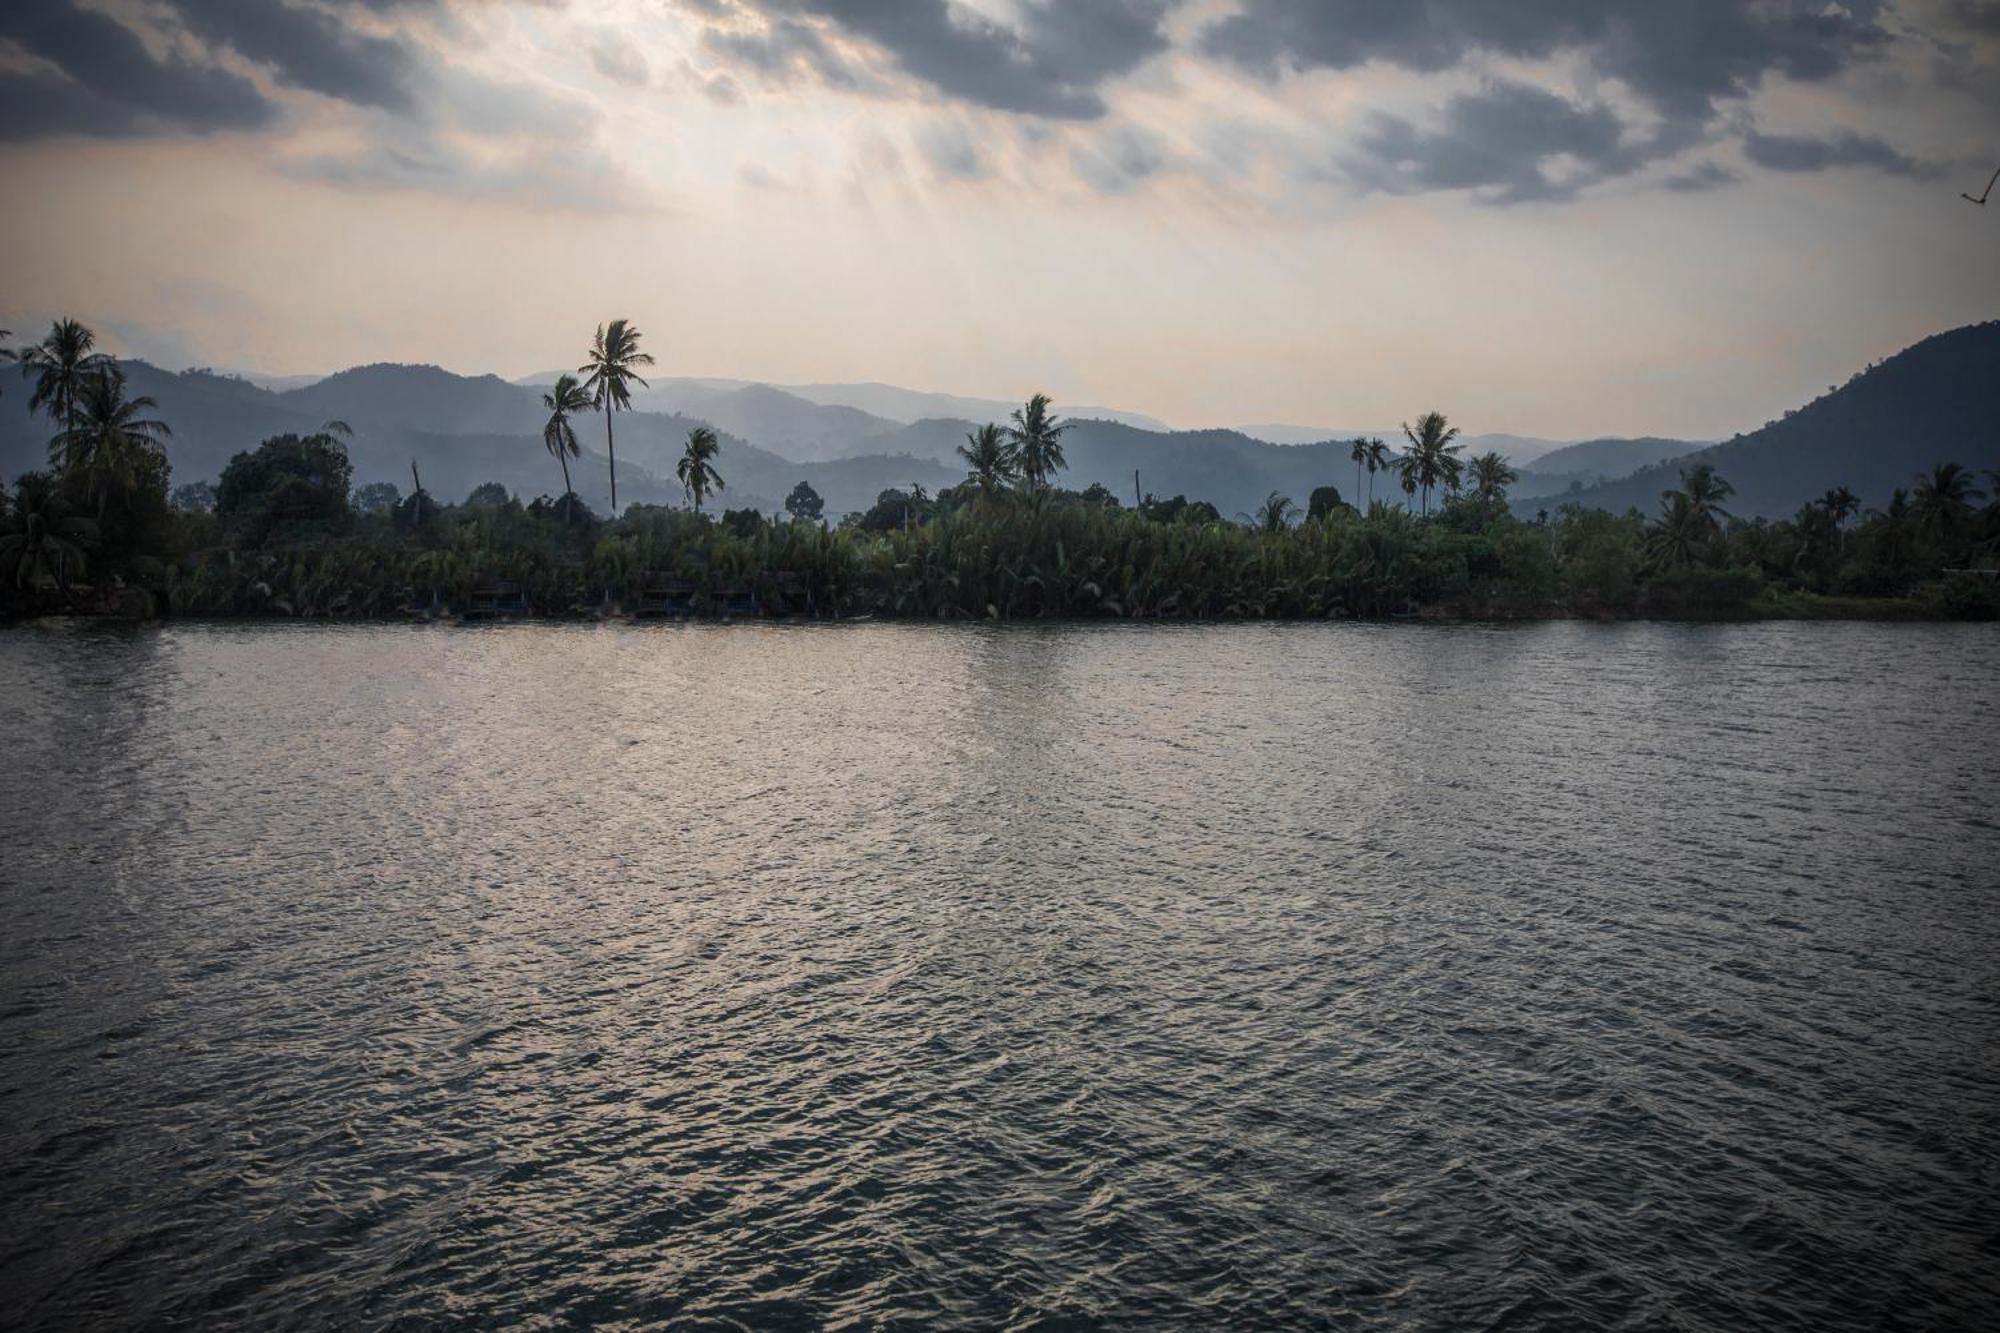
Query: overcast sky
(1551, 217)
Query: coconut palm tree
(1035, 441)
(696, 468)
(609, 375)
(988, 457)
(1841, 503)
(41, 539)
(1434, 457)
(110, 439)
(564, 399)
(1706, 492)
(1677, 536)
(60, 364)
(1275, 514)
(1377, 460)
(1944, 497)
(1491, 476)
(1358, 451)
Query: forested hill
(1935, 402)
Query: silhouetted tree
(609, 375)
(108, 443)
(1036, 441)
(805, 502)
(696, 468)
(988, 458)
(563, 400)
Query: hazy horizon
(1600, 219)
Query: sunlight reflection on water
(1412, 976)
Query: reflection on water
(1414, 977)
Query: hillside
(462, 431)
(1935, 402)
(1520, 450)
(1595, 461)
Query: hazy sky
(1554, 217)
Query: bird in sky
(1981, 200)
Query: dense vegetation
(282, 531)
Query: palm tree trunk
(568, 490)
(611, 452)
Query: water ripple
(1343, 976)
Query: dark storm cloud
(1496, 140)
(1051, 63)
(1680, 56)
(1802, 152)
(103, 82)
(307, 48)
(1680, 59)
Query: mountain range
(1935, 401)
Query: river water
(1403, 977)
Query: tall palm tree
(41, 539)
(1434, 457)
(1377, 460)
(1491, 476)
(61, 363)
(565, 398)
(988, 458)
(1035, 440)
(110, 439)
(1944, 497)
(1841, 503)
(1358, 451)
(609, 375)
(696, 468)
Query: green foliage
(290, 485)
(377, 497)
(805, 503)
(1323, 501)
(489, 494)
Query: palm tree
(41, 538)
(1944, 497)
(987, 455)
(1841, 503)
(1432, 455)
(609, 376)
(1377, 459)
(1035, 441)
(1705, 493)
(60, 364)
(1358, 451)
(563, 399)
(1275, 514)
(1490, 479)
(1677, 536)
(110, 439)
(696, 470)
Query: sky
(1560, 218)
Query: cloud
(1120, 160)
(307, 48)
(1701, 177)
(95, 77)
(1802, 152)
(1680, 57)
(1051, 62)
(1509, 140)
(619, 61)
(951, 152)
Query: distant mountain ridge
(1937, 401)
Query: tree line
(284, 530)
